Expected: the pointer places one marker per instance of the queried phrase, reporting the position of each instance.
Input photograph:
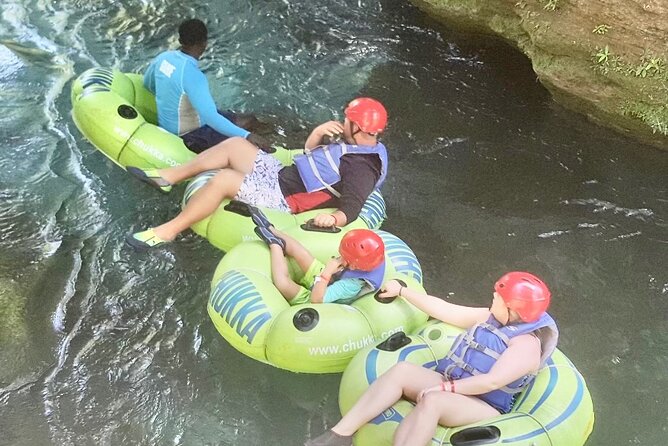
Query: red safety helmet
(368, 114)
(362, 249)
(524, 293)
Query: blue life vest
(475, 352)
(319, 167)
(373, 278)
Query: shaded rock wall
(607, 59)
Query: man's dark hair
(192, 32)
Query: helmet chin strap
(353, 133)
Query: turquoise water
(103, 346)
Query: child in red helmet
(358, 270)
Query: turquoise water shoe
(259, 218)
(151, 177)
(268, 237)
(145, 240)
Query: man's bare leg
(225, 184)
(233, 153)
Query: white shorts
(260, 187)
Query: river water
(102, 346)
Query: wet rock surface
(606, 59)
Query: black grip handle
(311, 226)
(238, 207)
(387, 300)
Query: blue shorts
(200, 139)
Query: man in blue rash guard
(185, 105)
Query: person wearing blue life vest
(340, 175)
(488, 365)
(184, 102)
(357, 271)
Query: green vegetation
(550, 5)
(649, 66)
(601, 29)
(602, 55)
(651, 108)
(604, 60)
(654, 116)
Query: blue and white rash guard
(182, 96)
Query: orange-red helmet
(368, 114)
(525, 294)
(362, 249)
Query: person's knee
(224, 184)
(282, 282)
(219, 179)
(228, 146)
(224, 179)
(286, 287)
(431, 401)
(235, 140)
(402, 368)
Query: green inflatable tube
(251, 314)
(118, 116)
(556, 409)
(226, 229)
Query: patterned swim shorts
(260, 187)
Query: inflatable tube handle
(238, 207)
(476, 436)
(394, 342)
(310, 226)
(387, 300)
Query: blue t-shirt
(344, 290)
(182, 96)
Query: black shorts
(202, 138)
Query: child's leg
(295, 250)
(280, 273)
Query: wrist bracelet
(442, 386)
(400, 290)
(452, 385)
(325, 278)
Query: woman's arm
(457, 315)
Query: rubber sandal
(150, 177)
(144, 240)
(268, 237)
